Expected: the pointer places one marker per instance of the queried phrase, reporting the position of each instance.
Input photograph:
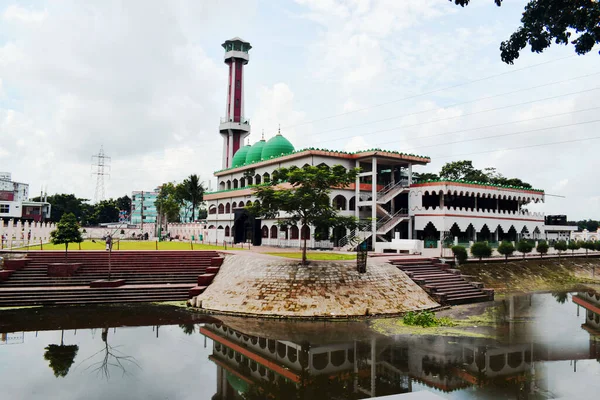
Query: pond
(544, 346)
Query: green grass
(128, 245)
(317, 256)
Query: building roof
(473, 183)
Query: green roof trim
(236, 189)
(248, 163)
(479, 183)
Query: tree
(588, 245)
(425, 176)
(460, 253)
(302, 194)
(542, 248)
(481, 249)
(545, 21)
(560, 246)
(106, 211)
(506, 249)
(524, 247)
(573, 245)
(61, 357)
(560, 297)
(124, 203)
(67, 231)
(193, 191)
(168, 203)
(67, 203)
(462, 170)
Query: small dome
(255, 152)
(276, 146)
(239, 158)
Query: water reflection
(546, 346)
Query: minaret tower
(234, 127)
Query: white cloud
(20, 14)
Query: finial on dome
(263, 135)
(279, 130)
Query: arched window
(274, 232)
(294, 232)
(352, 205)
(211, 227)
(233, 205)
(249, 178)
(212, 210)
(227, 208)
(257, 179)
(227, 231)
(305, 232)
(221, 209)
(339, 202)
(235, 183)
(257, 203)
(248, 203)
(265, 232)
(222, 185)
(266, 177)
(242, 182)
(228, 185)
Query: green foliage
(464, 170)
(588, 245)
(307, 201)
(192, 190)
(105, 211)
(547, 21)
(481, 249)
(573, 245)
(461, 254)
(67, 203)
(542, 248)
(560, 297)
(426, 176)
(67, 231)
(589, 224)
(597, 245)
(560, 246)
(425, 319)
(524, 247)
(506, 249)
(188, 329)
(124, 203)
(169, 201)
(60, 358)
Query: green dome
(255, 152)
(239, 158)
(276, 146)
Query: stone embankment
(247, 284)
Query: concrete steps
(446, 286)
(149, 276)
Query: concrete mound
(247, 284)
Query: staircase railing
(383, 224)
(391, 187)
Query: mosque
(403, 213)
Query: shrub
(560, 246)
(460, 253)
(506, 249)
(481, 249)
(588, 246)
(542, 248)
(524, 247)
(425, 319)
(573, 245)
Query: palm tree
(194, 192)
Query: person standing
(108, 242)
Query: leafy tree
(481, 249)
(560, 297)
(67, 231)
(542, 248)
(106, 211)
(597, 245)
(61, 357)
(462, 170)
(193, 191)
(573, 245)
(425, 176)
(588, 245)
(67, 203)
(545, 21)
(460, 253)
(590, 224)
(506, 249)
(124, 203)
(302, 194)
(202, 213)
(560, 246)
(524, 247)
(188, 329)
(168, 203)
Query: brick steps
(157, 276)
(445, 286)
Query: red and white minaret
(234, 127)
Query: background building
(15, 204)
(143, 209)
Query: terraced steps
(149, 276)
(445, 285)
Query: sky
(145, 80)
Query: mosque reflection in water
(250, 366)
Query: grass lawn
(316, 255)
(128, 245)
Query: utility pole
(142, 211)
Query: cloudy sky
(146, 80)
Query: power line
(102, 164)
(504, 134)
(522, 147)
(454, 105)
(493, 125)
(425, 93)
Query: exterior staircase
(148, 275)
(447, 286)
